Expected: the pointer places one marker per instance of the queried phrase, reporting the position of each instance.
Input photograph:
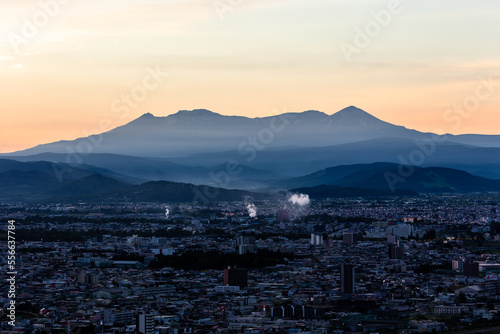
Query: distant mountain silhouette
(287, 151)
(163, 191)
(88, 186)
(61, 171)
(35, 182)
(202, 131)
(482, 161)
(136, 170)
(394, 177)
(31, 180)
(20, 186)
(43, 181)
(326, 191)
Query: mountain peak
(195, 113)
(147, 115)
(352, 110)
(314, 113)
(356, 117)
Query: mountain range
(40, 182)
(349, 152)
(201, 131)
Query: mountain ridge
(186, 146)
(201, 130)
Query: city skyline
(66, 65)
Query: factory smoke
(300, 199)
(252, 210)
(167, 212)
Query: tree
(430, 235)
(462, 298)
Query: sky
(68, 65)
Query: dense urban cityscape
(427, 263)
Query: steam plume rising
(300, 199)
(252, 210)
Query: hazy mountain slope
(197, 131)
(36, 186)
(196, 147)
(328, 191)
(59, 169)
(94, 185)
(422, 180)
(163, 191)
(330, 175)
(301, 161)
(391, 176)
(136, 170)
(17, 185)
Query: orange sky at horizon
(254, 59)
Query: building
(349, 238)
(145, 323)
(489, 267)
(245, 249)
(471, 268)
(82, 277)
(392, 239)
(428, 326)
(86, 278)
(475, 291)
(111, 316)
(457, 265)
(401, 230)
(395, 252)
(245, 240)
(236, 277)
(227, 289)
(316, 239)
(346, 278)
(245, 244)
(448, 310)
(283, 215)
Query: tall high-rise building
(346, 278)
(236, 277)
(86, 278)
(392, 239)
(457, 265)
(145, 323)
(349, 238)
(471, 268)
(283, 215)
(316, 239)
(245, 244)
(395, 252)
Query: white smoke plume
(252, 210)
(300, 199)
(167, 212)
